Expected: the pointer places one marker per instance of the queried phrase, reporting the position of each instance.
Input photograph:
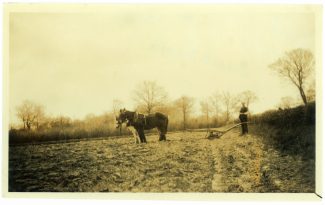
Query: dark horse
(140, 122)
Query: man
(243, 118)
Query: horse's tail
(166, 123)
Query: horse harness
(136, 117)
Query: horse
(137, 123)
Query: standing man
(243, 116)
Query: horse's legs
(135, 134)
(137, 138)
(142, 136)
(164, 131)
(162, 135)
(144, 140)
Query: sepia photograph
(162, 98)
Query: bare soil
(187, 162)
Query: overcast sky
(76, 63)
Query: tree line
(215, 110)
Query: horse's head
(123, 116)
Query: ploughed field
(186, 162)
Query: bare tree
(39, 115)
(148, 96)
(117, 105)
(215, 99)
(206, 109)
(286, 102)
(229, 103)
(247, 97)
(63, 121)
(28, 112)
(296, 66)
(311, 93)
(185, 104)
(24, 112)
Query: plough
(211, 134)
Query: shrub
(292, 130)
